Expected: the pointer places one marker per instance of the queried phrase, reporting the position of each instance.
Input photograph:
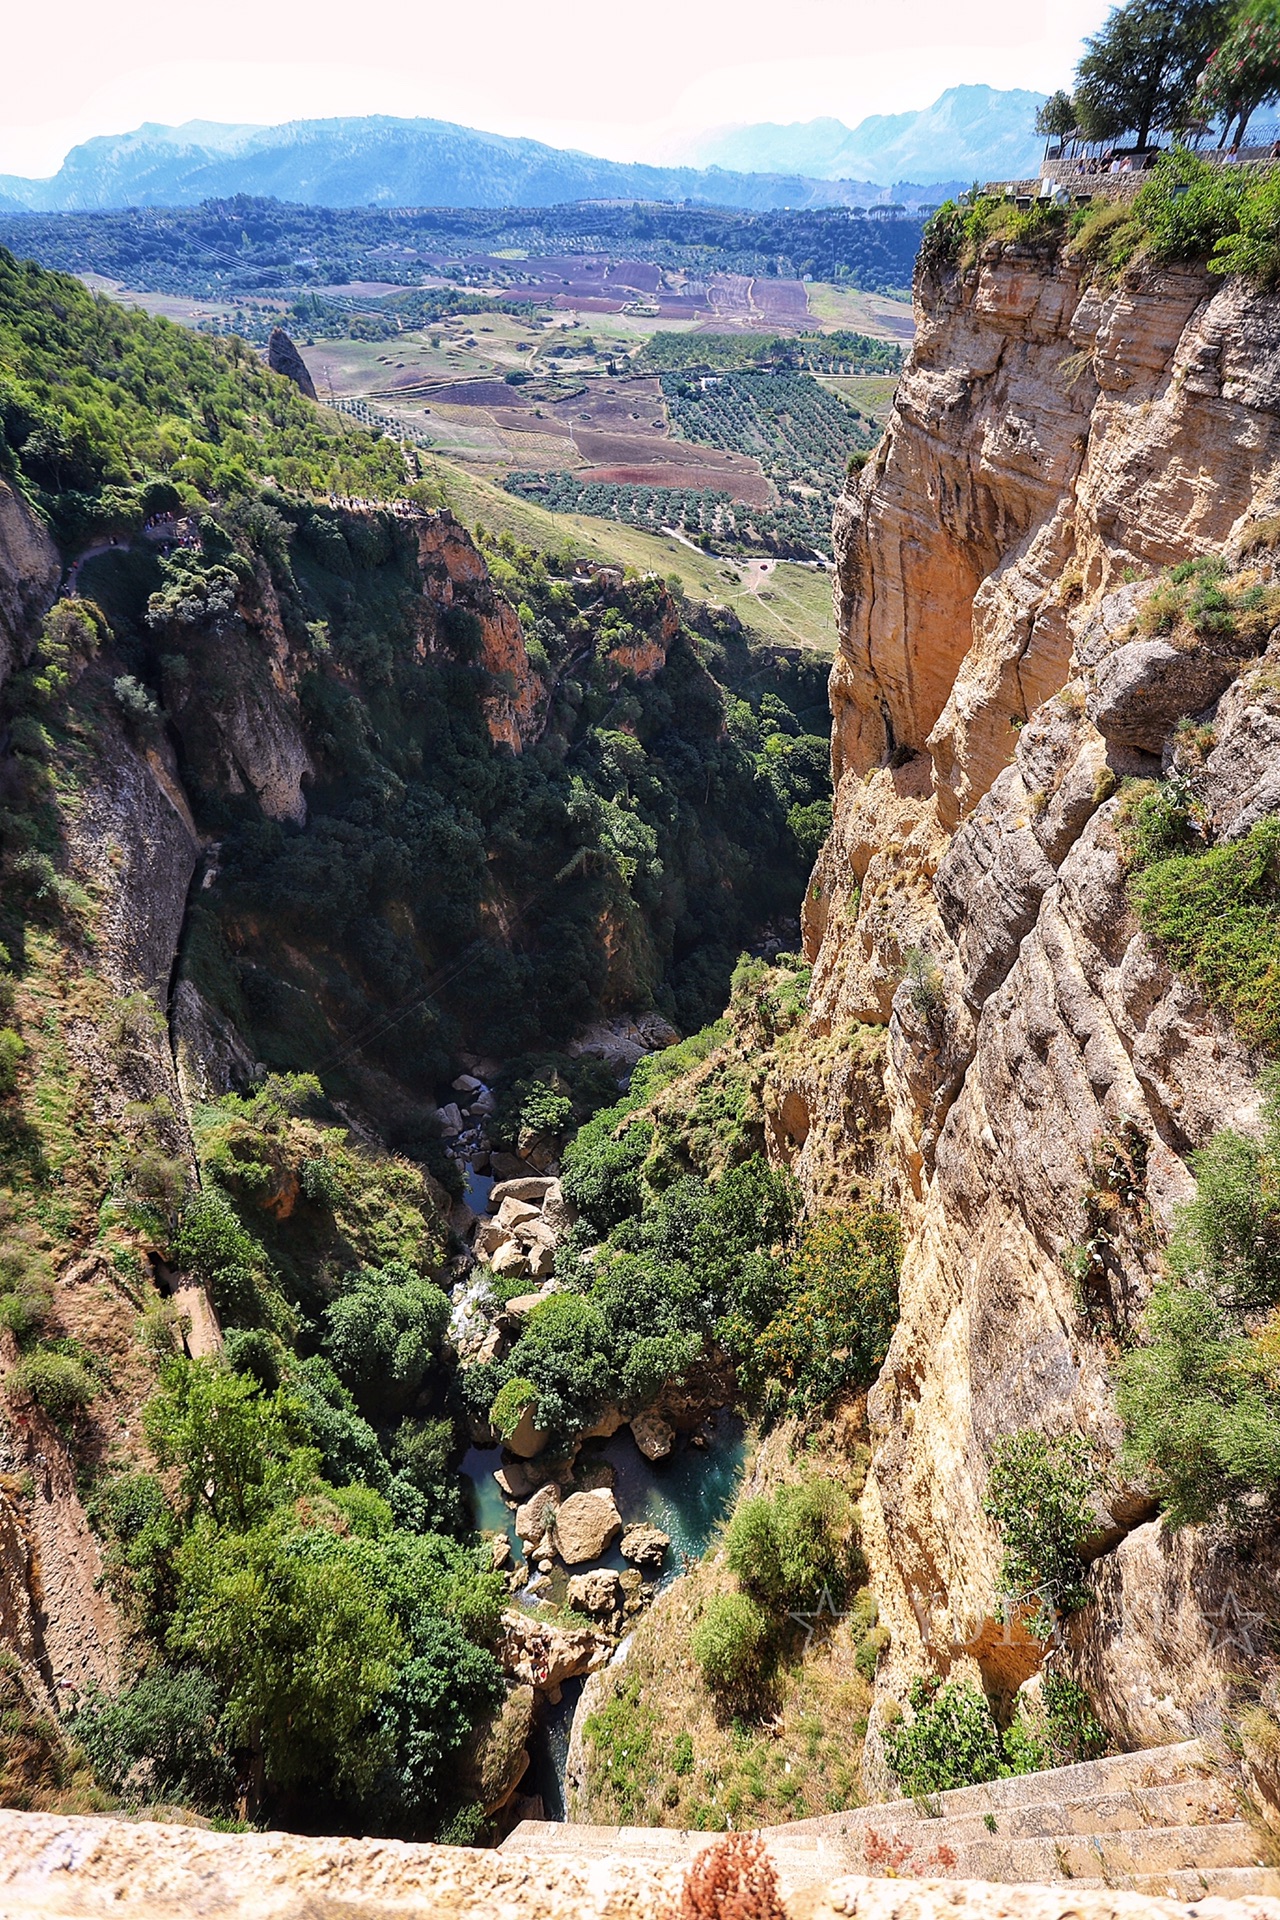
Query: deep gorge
(319, 822)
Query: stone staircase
(1163, 1822)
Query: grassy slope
(797, 613)
(668, 1755)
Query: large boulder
(510, 1261)
(495, 1758)
(535, 1515)
(533, 1187)
(528, 1439)
(283, 357)
(654, 1436)
(545, 1656)
(598, 1592)
(1143, 689)
(645, 1546)
(512, 1212)
(585, 1524)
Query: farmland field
(681, 386)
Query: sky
(631, 83)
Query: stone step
(1050, 1858)
(1063, 1786)
(1189, 1803)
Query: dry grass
(664, 1753)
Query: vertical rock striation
(1052, 445)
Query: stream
(686, 1495)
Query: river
(687, 1496)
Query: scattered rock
(647, 1546)
(523, 1303)
(500, 1549)
(557, 1212)
(541, 1263)
(506, 1166)
(534, 1517)
(513, 1211)
(529, 1186)
(490, 1237)
(607, 1425)
(585, 1523)
(467, 1083)
(535, 1233)
(451, 1118)
(510, 1259)
(517, 1479)
(654, 1436)
(598, 1592)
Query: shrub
(12, 1048)
(511, 1404)
(1062, 1730)
(730, 1641)
(834, 1329)
(160, 1739)
(602, 1167)
(733, 1879)
(1040, 1495)
(788, 1549)
(1216, 915)
(58, 1383)
(951, 1739)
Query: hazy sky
(631, 82)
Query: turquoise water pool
(687, 1495)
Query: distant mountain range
(381, 162)
(377, 161)
(968, 133)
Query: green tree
(306, 1651)
(1056, 118)
(1243, 73)
(1040, 1494)
(1139, 72)
(384, 1332)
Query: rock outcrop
(1052, 446)
(283, 357)
(29, 571)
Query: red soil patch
(751, 488)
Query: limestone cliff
(1053, 444)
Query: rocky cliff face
(1052, 445)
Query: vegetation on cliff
(1188, 210)
(312, 694)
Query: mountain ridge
(378, 160)
(968, 130)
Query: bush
(951, 1739)
(834, 1329)
(511, 1404)
(12, 1048)
(788, 1549)
(730, 1641)
(1040, 1495)
(58, 1383)
(1216, 915)
(161, 1739)
(1060, 1732)
(601, 1172)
